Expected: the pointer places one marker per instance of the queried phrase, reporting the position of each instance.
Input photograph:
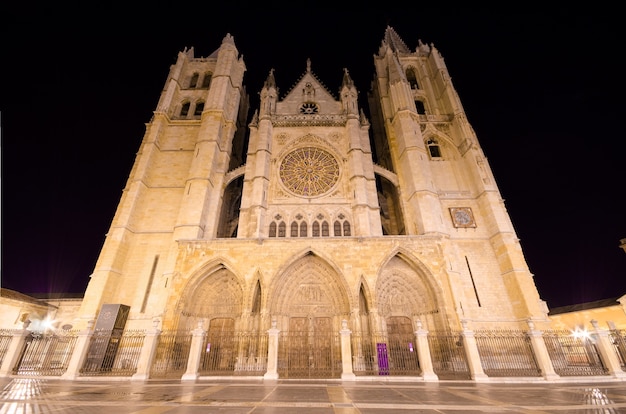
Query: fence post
(14, 350)
(272, 352)
(80, 352)
(148, 350)
(473, 356)
(423, 353)
(540, 351)
(195, 352)
(346, 352)
(607, 352)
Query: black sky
(544, 93)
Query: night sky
(544, 93)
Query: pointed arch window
(294, 229)
(433, 148)
(184, 110)
(282, 229)
(194, 80)
(346, 228)
(272, 232)
(412, 78)
(316, 229)
(325, 230)
(199, 108)
(420, 107)
(303, 229)
(206, 81)
(337, 228)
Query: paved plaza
(31, 395)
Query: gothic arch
(213, 291)
(405, 288)
(309, 286)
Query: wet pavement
(26, 396)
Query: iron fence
(233, 353)
(6, 336)
(506, 353)
(448, 355)
(172, 353)
(309, 355)
(573, 355)
(385, 354)
(46, 354)
(618, 339)
(113, 353)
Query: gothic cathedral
(308, 212)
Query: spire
(270, 82)
(395, 42)
(228, 39)
(347, 80)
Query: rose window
(309, 171)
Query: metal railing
(506, 354)
(46, 354)
(385, 354)
(309, 355)
(6, 336)
(448, 355)
(172, 354)
(113, 353)
(234, 353)
(618, 339)
(573, 355)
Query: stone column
(346, 352)
(607, 352)
(541, 353)
(79, 353)
(195, 353)
(423, 353)
(473, 357)
(14, 350)
(148, 350)
(272, 352)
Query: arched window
(282, 227)
(272, 229)
(337, 228)
(199, 108)
(194, 80)
(303, 229)
(346, 228)
(420, 108)
(206, 81)
(410, 76)
(433, 148)
(316, 229)
(294, 229)
(184, 110)
(325, 232)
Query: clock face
(309, 171)
(462, 217)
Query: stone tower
(309, 209)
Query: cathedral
(310, 211)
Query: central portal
(309, 303)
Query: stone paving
(31, 395)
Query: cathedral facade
(309, 212)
